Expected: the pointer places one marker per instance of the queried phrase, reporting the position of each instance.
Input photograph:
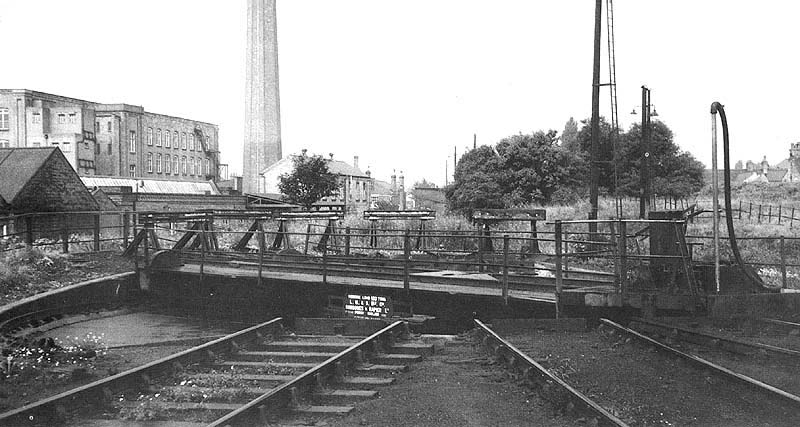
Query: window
(4, 143)
(37, 118)
(132, 141)
(96, 148)
(167, 138)
(167, 164)
(132, 170)
(158, 138)
(175, 139)
(158, 163)
(191, 142)
(183, 165)
(175, 164)
(66, 147)
(3, 118)
(208, 143)
(149, 162)
(108, 126)
(96, 127)
(73, 118)
(208, 167)
(62, 118)
(191, 166)
(109, 149)
(183, 140)
(149, 136)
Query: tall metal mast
(612, 73)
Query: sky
(404, 84)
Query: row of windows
(174, 139)
(3, 118)
(177, 165)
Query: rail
(516, 359)
(705, 364)
(284, 395)
(53, 409)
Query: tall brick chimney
(355, 162)
(262, 132)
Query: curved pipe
(717, 107)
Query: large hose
(717, 107)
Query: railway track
(563, 394)
(259, 375)
(639, 380)
(767, 368)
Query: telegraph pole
(595, 149)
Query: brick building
(110, 139)
(42, 181)
(355, 186)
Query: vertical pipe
(740, 209)
(559, 278)
(715, 197)
(202, 255)
(779, 213)
(480, 248)
(505, 269)
(791, 221)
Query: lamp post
(644, 200)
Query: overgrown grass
(19, 266)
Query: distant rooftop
(154, 186)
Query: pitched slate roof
(342, 168)
(18, 166)
(157, 186)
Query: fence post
(480, 248)
(740, 209)
(347, 241)
(29, 230)
(505, 269)
(769, 215)
(750, 212)
(759, 213)
(97, 232)
(791, 221)
(261, 244)
(559, 278)
(623, 257)
(202, 251)
(325, 264)
(308, 236)
(406, 259)
(147, 227)
(783, 263)
(125, 228)
(64, 234)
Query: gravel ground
(775, 370)
(645, 387)
(458, 386)
(22, 388)
(740, 329)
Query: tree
(673, 173)
(522, 169)
(309, 180)
(569, 138)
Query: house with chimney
(355, 186)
